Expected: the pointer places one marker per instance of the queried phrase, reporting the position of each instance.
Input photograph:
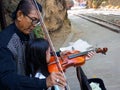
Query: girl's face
(48, 55)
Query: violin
(76, 58)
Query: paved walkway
(105, 67)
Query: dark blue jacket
(12, 62)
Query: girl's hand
(90, 55)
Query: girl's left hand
(90, 55)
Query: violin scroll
(101, 50)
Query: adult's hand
(56, 78)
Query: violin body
(53, 65)
(65, 62)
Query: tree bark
(55, 13)
(2, 16)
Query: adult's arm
(9, 77)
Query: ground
(60, 39)
(100, 66)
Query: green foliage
(38, 32)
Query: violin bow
(43, 26)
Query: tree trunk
(55, 13)
(56, 20)
(89, 3)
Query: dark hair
(25, 6)
(36, 56)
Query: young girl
(37, 57)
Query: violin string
(50, 41)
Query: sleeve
(9, 77)
(58, 53)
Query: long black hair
(25, 6)
(36, 56)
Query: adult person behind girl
(12, 57)
(37, 58)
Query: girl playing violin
(37, 59)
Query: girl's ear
(20, 15)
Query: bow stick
(43, 26)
